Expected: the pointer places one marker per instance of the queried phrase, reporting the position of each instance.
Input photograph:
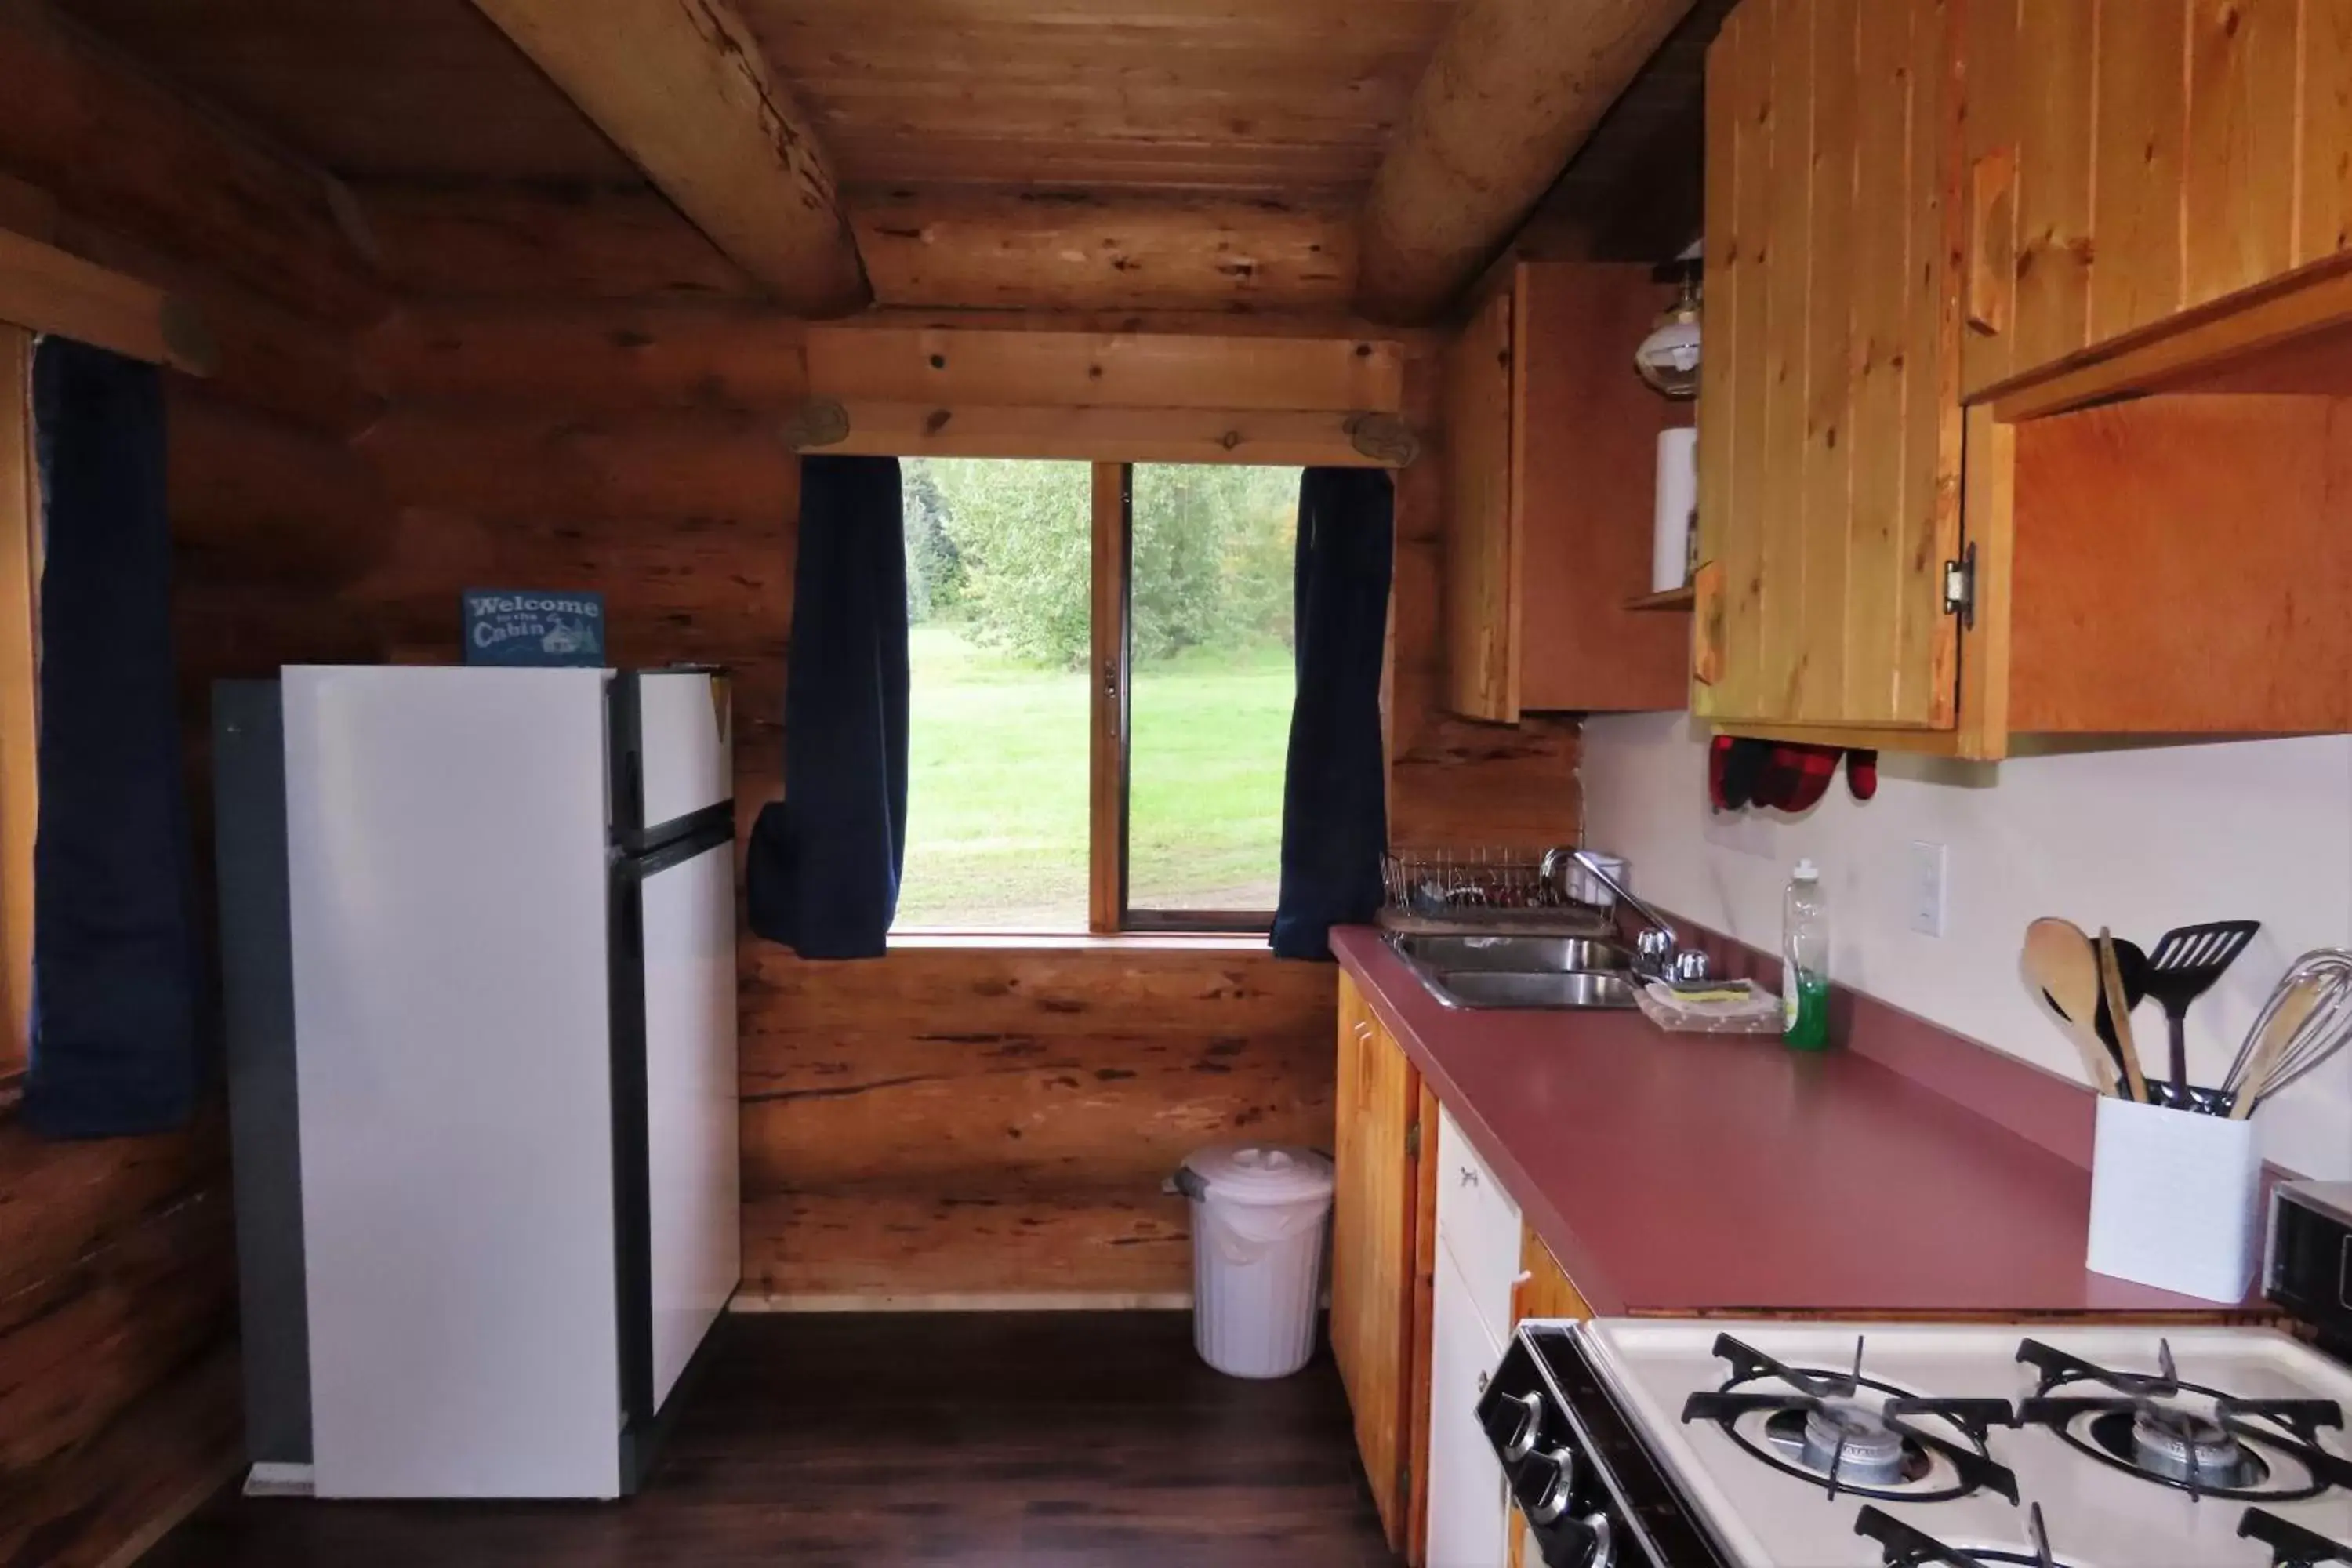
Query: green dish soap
(1805, 961)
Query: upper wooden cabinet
(1551, 453)
(2127, 161)
(1829, 416)
(1889, 560)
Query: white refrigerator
(512, 911)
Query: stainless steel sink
(1512, 954)
(1550, 972)
(1501, 988)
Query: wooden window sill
(1077, 941)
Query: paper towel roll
(1677, 508)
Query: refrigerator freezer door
(446, 837)
(680, 758)
(694, 1231)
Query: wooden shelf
(2289, 335)
(1672, 599)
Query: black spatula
(2185, 964)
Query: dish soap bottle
(1805, 961)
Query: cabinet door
(1482, 547)
(1583, 488)
(1374, 1225)
(1469, 1504)
(2121, 173)
(1829, 418)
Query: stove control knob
(1602, 1537)
(1552, 1504)
(1526, 1412)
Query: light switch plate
(1925, 885)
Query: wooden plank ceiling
(1296, 99)
(1016, 153)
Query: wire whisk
(2322, 981)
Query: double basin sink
(1520, 970)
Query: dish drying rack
(1485, 889)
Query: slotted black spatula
(2185, 964)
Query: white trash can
(1258, 1215)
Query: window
(1102, 683)
(19, 665)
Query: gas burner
(2200, 1440)
(1825, 1428)
(2291, 1546)
(1850, 1437)
(2179, 1445)
(1908, 1548)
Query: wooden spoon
(2059, 959)
(2111, 984)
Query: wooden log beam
(1512, 93)
(1131, 370)
(1076, 250)
(1099, 434)
(681, 87)
(257, 499)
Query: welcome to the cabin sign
(528, 626)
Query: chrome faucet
(1658, 949)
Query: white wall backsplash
(2140, 839)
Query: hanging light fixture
(1668, 357)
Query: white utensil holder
(2173, 1200)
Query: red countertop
(1688, 1173)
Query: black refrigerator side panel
(257, 998)
(624, 747)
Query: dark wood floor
(1050, 1439)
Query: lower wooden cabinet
(1378, 1316)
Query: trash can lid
(1261, 1173)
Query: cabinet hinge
(1961, 587)
(1412, 1142)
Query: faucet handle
(1689, 967)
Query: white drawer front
(1469, 1504)
(1477, 1225)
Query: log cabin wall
(583, 393)
(118, 1386)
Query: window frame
(1110, 909)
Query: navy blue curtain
(1335, 788)
(115, 1047)
(824, 863)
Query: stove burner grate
(2233, 1453)
(1907, 1547)
(2291, 1546)
(1824, 1431)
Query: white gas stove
(1654, 1443)
(1718, 1443)
(1768, 1428)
